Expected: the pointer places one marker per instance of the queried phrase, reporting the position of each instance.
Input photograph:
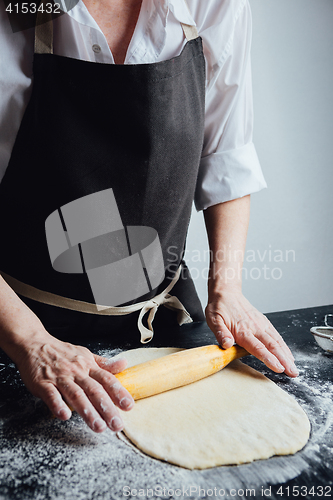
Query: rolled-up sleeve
(229, 167)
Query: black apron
(88, 127)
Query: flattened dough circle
(232, 417)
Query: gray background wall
(289, 255)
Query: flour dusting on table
(42, 458)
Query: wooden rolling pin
(176, 370)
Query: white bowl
(323, 336)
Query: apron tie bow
(151, 306)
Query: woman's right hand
(60, 373)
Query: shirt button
(96, 48)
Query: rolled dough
(232, 417)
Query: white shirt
(229, 166)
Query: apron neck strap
(190, 31)
(43, 31)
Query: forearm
(56, 371)
(18, 324)
(227, 225)
(229, 314)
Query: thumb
(221, 332)
(110, 364)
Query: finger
(119, 395)
(111, 365)
(275, 334)
(102, 402)
(52, 398)
(76, 397)
(225, 337)
(275, 343)
(258, 349)
(280, 352)
(222, 333)
(272, 340)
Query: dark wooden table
(42, 458)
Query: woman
(125, 101)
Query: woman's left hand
(234, 320)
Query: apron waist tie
(151, 305)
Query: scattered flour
(43, 458)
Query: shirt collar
(147, 42)
(181, 12)
(81, 15)
(179, 9)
